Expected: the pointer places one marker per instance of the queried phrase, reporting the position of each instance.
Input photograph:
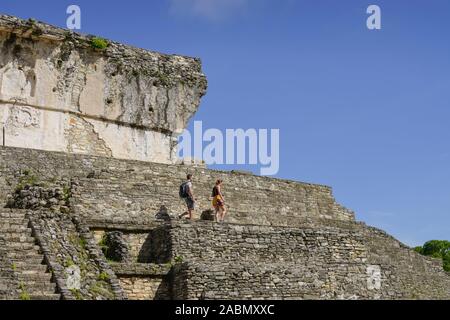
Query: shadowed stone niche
(115, 247)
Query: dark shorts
(190, 203)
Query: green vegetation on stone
(77, 294)
(101, 289)
(67, 193)
(99, 43)
(23, 292)
(102, 244)
(24, 296)
(178, 259)
(103, 276)
(68, 263)
(27, 178)
(82, 242)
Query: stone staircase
(33, 281)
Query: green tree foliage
(419, 250)
(437, 249)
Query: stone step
(34, 287)
(8, 213)
(21, 253)
(36, 260)
(14, 223)
(22, 246)
(46, 297)
(14, 229)
(34, 274)
(33, 269)
(14, 216)
(39, 287)
(38, 277)
(18, 237)
(30, 268)
(28, 260)
(24, 255)
(42, 294)
(15, 220)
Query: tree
(447, 262)
(419, 249)
(437, 249)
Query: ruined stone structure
(60, 91)
(84, 223)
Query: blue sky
(366, 112)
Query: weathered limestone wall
(347, 261)
(262, 262)
(138, 288)
(118, 190)
(59, 93)
(145, 281)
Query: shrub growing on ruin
(99, 43)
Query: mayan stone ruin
(89, 193)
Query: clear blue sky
(366, 112)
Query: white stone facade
(58, 93)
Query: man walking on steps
(187, 193)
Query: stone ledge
(114, 164)
(306, 223)
(36, 29)
(146, 226)
(140, 269)
(137, 226)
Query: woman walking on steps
(219, 201)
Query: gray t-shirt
(188, 187)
